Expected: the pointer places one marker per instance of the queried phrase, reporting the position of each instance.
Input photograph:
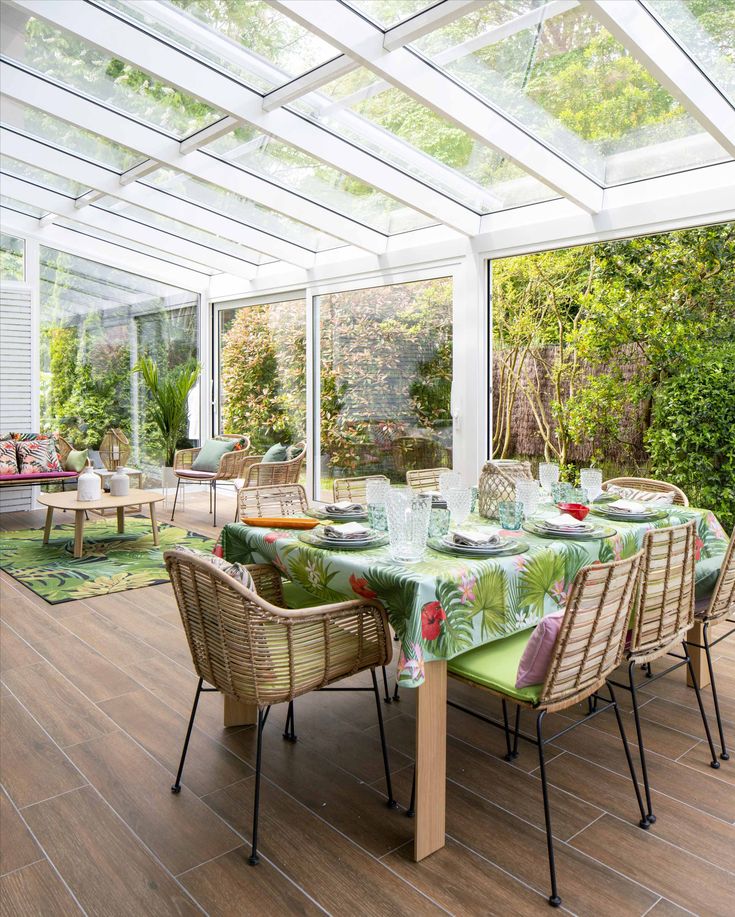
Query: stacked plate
(322, 537)
(353, 515)
(499, 548)
(629, 511)
(547, 528)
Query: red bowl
(578, 510)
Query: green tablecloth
(445, 605)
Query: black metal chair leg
(649, 670)
(289, 734)
(644, 822)
(176, 788)
(388, 785)
(411, 810)
(176, 497)
(714, 762)
(387, 698)
(554, 899)
(650, 817)
(708, 650)
(516, 730)
(254, 859)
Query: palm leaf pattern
(537, 579)
(490, 601)
(312, 570)
(456, 632)
(398, 595)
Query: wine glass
(590, 480)
(548, 475)
(459, 503)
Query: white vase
(119, 484)
(89, 485)
(168, 478)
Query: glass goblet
(459, 503)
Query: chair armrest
(249, 469)
(184, 458)
(268, 583)
(235, 465)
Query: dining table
(443, 605)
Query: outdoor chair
(257, 473)
(589, 648)
(355, 489)
(276, 500)
(246, 645)
(425, 479)
(663, 614)
(232, 466)
(648, 485)
(712, 611)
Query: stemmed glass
(459, 503)
(548, 475)
(376, 496)
(447, 480)
(529, 494)
(590, 480)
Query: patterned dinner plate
(376, 540)
(598, 531)
(458, 550)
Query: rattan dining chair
(589, 648)
(663, 614)
(712, 611)
(246, 645)
(425, 479)
(355, 489)
(232, 465)
(649, 485)
(275, 500)
(258, 473)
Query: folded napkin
(473, 538)
(350, 531)
(628, 506)
(565, 521)
(344, 506)
(280, 522)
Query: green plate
(631, 517)
(316, 542)
(600, 531)
(516, 547)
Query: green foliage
(169, 395)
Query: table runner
(443, 605)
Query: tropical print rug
(110, 562)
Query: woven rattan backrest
(651, 486)
(63, 447)
(723, 595)
(592, 636)
(276, 472)
(422, 479)
(354, 489)
(278, 500)
(665, 602)
(237, 437)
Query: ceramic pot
(119, 484)
(89, 485)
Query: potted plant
(169, 408)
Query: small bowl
(578, 510)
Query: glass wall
(386, 377)
(11, 258)
(262, 371)
(96, 321)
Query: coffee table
(69, 501)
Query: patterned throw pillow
(642, 496)
(37, 455)
(239, 572)
(8, 457)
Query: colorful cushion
(495, 666)
(76, 460)
(37, 455)
(277, 453)
(537, 655)
(240, 443)
(211, 453)
(239, 572)
(641, 496)
(8, 457)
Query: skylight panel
(41, 177)
(387, 13)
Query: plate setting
(651, 515)
(317, 539)
(317, 513)
(505, 548)
(590, 534)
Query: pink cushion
(37, 455)
(55, 475)
(8, 457)
(195, 475)
(537, 655)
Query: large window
(96, 321)
(11, 258)
(386, 376)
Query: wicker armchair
(258, 473)
(355, 489)
(279, 500)
(650, 486)
(232, 465)
(589, 647)
(664, 612)
(245, 644)
(425, 479)
(718, 608)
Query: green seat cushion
(706, 573)
(277, 453)
(495, 665)
(211, 453)
(76, 460)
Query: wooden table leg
(698, 656)
(238, 713)
(431, 761)
(49, 523)
(121, 520)
(78, 532)
(154, 524)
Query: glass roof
(388, 13)
(20, 207)
(41, 177)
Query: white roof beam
(115, 223)
(125, 41)
(209, 134)
(104, 182)
(408, 71)
(162, 150)
(648, 41)
(435, 17)
(47, 219)
(308, 82)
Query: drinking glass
(408, 523)
(548, 475)
(528, 493)
(447, 480)
(510, 513)
(590, 479)
(561, 493)
(439, 522)
(475, 493)
(376, 494)
(459, 503)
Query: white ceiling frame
(435, 17)
(415, 76)
(650, 43)
(105, 181)
(127, 42)
(109, 221)
(308, 82)
(162, 150)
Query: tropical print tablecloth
(445, 605)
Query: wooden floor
(95, 696)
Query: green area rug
(110, 562)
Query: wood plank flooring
(95, 696)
